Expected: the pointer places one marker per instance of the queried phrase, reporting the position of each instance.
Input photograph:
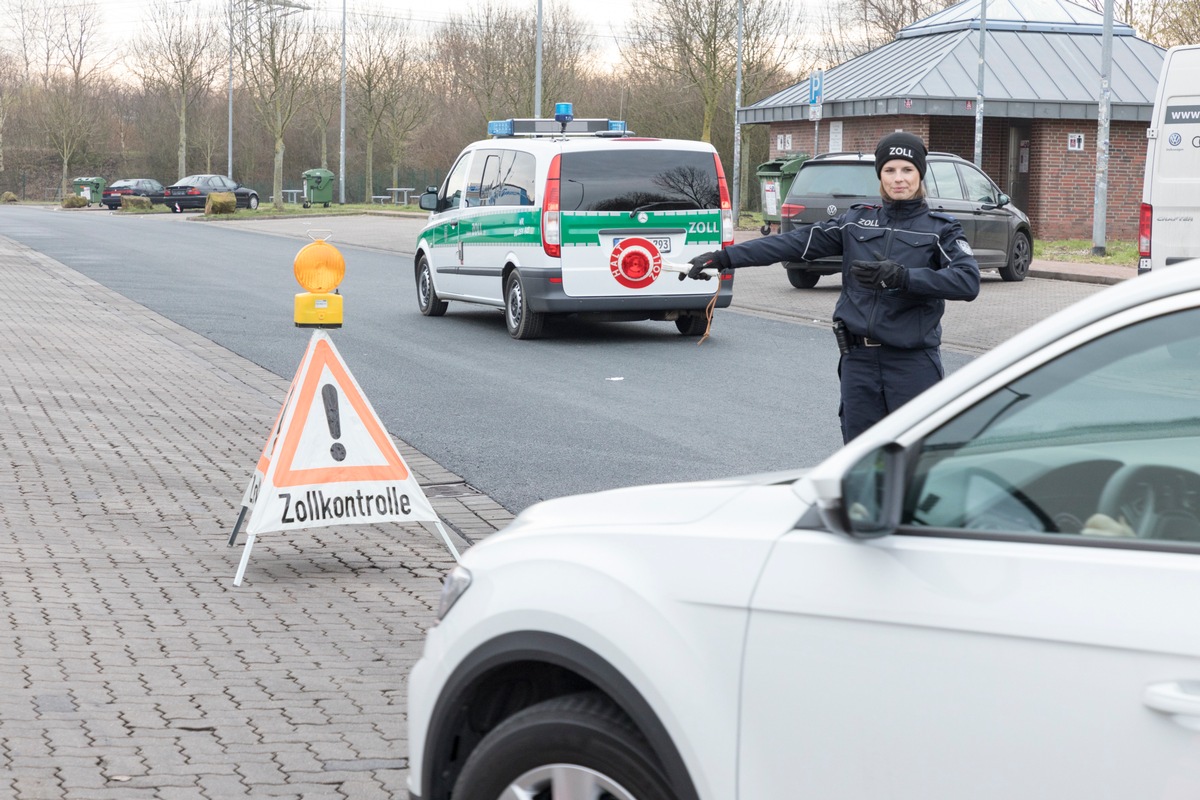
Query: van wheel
(1019, 259)
(522, 323)
(691, 324)
(802, 278)
(427, 299)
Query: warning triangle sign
(328, 459)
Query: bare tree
(32, 27)
(502, 38)
(324, 89)
(174, 55)
(208, 130)
(849, 28)
(380, 70)
(408, 112)
(276, 52)
(67, 116)
(10, 88)
(65, 48)
(696, 42)
(79, 40)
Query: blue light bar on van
(500, 127)
(549, 127)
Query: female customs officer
(900, 263)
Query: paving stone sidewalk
(130, 664)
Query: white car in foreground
(992, 594)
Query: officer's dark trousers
(878, 380)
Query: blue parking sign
(816, 86)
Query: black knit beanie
(903, 146)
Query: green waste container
(774, 180)
(318, 187)
(92, 189)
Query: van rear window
(622, 180)
(836, 180)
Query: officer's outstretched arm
(805, 243)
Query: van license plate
(663, 243)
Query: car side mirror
(428, 201)
(1001, 202)
(872, 492)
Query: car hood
(659, 504)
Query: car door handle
(1180, 699)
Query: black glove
(717, 258)
(879, 274)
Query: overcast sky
(124, 17)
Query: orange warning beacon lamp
(319, 268)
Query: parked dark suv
(828, 184)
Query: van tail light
(551, 221)
(1144, 225)
(789, 210)
(726, 205)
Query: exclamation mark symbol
(329, 394)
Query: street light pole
(537, 70)
(229, 153)
(1100, 200)
(342, 139)
(737, 126)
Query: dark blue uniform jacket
(930, 244)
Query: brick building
(1041, 89)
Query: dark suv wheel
(1019, 258)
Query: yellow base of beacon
(318, 310)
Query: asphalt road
(590, 406)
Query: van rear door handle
(1180, 699)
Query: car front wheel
(578, 746)
(522, 323)
(427, 298)
(1019, 258)
(253, 203)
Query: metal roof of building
(1042, 60)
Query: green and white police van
(575, 216)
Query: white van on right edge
(1168, 229)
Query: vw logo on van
(1175, 139)
(831, 209)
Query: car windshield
(192, 179)
(627, 179)
(836, 179)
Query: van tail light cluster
(790, 210)
(726, 205)
(1144, 225)
(551, 220)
